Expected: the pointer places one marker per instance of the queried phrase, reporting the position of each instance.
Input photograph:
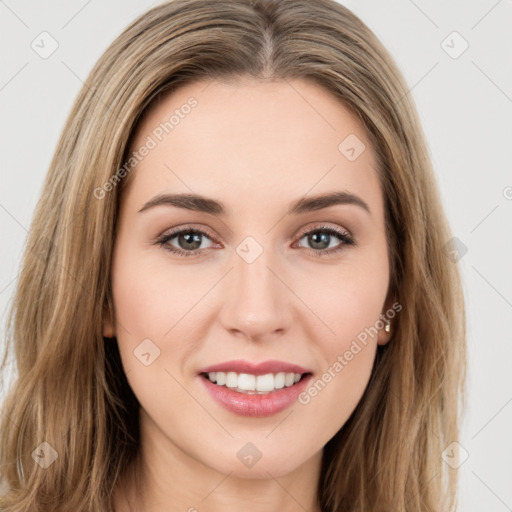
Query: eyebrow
(203, 204)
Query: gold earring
(387, 327)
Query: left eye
(319, 237)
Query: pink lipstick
(255, 389)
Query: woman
(234, 291)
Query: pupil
(191, 240)
(319, 238)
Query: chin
(262, 464)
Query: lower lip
(255, 404)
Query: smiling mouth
(254, 384)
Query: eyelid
(186, 227)
(322, 225)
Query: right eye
(189, 241)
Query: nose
(257, 302)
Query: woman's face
(265, 279)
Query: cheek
(347, 299)
(149, 302)
(331, 397)
(158, 302)
(150, 298)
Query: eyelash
(345, 238)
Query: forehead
(263, 140)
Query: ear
(389, 321)
(108, 324)
(383, 337)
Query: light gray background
(465, 105)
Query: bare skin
(256, 147)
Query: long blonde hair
(71, 391)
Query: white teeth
(279, 380)
(231, 380)
(265, 382)
(248, 383)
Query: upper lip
(241, 366)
